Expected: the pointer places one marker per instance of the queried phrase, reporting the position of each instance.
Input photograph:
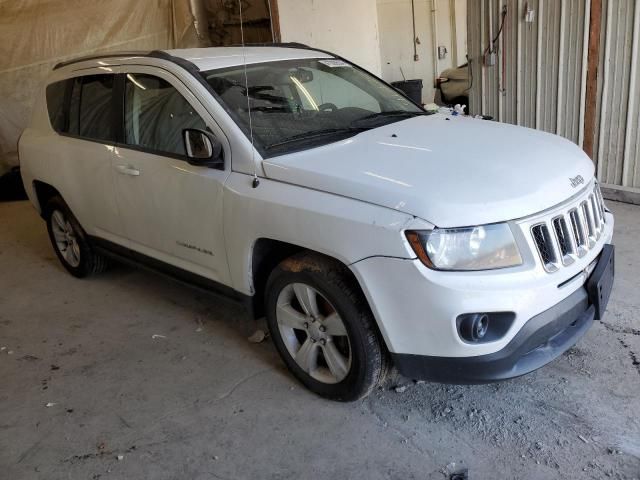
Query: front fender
(346, 229)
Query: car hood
(449, 170)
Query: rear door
(171, 210)
(83, 111)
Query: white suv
(368, 232)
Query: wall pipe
(454, 33)
(605, 88)
(415, 43)
(626, 181)
(539, 65)
(585, 69)
(519, 64)
(561, 67)
(483, 70)
(500, 69)
(434, 41)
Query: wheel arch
(43, 193)
(268, 253)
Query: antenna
(256, 181)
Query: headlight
(473, 248)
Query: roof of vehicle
(210, 58)
(222, 57)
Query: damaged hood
(450, 171)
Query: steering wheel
(328, 107)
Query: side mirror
(203, 149)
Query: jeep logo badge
(577, 180)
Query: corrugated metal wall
(539, 79)
(617, 147)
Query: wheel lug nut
(306, 325)
(323, 342)
(313, 340)
(323, 328)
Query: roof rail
(277, 44)
(135, 53)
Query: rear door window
(91, 109)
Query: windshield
(299, 104)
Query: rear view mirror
(302, 75)
(203, 149)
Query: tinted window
(91, 112)
(156, 114)
(55, 104)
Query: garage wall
(541, 83)
(346, 27)
(617, 149)
(449, 17)
(539, 79)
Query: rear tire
(70, 241)
(323, 328)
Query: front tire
(323, 328)
(69, 241)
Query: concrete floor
(200, 402)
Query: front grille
(570, 235)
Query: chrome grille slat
(601, 204)
(571, 234)
(590, 228)
(597, 218)
(563, 239)
(579, 234)
(594, 211)
(546, 246)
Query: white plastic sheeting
(37, 34)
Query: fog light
(474, 327)
(484, 327)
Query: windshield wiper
(388, 114)
(317, 133)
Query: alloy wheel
(313, 333)
(65, 238)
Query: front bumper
(542, 339)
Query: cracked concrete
(199, 401)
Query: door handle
(127, 170)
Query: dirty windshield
(304, 103)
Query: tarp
(37, 34)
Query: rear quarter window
(56, 105)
